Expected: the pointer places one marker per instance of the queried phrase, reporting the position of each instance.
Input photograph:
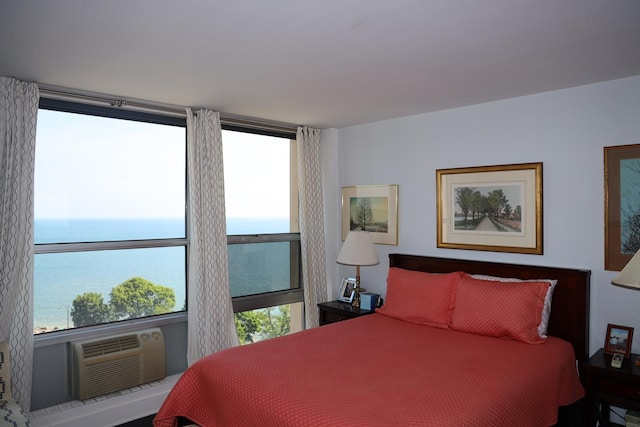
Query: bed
(426, 358)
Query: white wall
(565, 129)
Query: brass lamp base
(356, 293)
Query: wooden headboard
(569, 318)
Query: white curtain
(311, 223)
(211, 325)
(18, 115)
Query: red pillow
(420, 297)
(493, 308)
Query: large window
(110, 227)
(262, 224)
(110, 221)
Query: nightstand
(337, 311)
(606, 386)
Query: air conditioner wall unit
(106, 365)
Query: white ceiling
(325, 63)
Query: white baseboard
(107, 411)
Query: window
(110, 224)
(263, 238)
(110, 220)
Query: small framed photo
(618, 340)
(345, 293)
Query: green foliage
(89, 309)
(248, 324)
(276, 321)
(464, 199)
(263, 323)
(138, 297)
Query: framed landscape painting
(372, 208)
(621, 205)
(490, 208)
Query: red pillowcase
(499, 309)
(420, 297)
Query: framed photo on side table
(618, 340)
(345, 293)
(490, 208)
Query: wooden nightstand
(337, 311)
(606, 386)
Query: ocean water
(60, 277)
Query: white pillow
(546, 309)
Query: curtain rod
(149, 107)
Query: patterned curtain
(211, 325)
(18, 115)
(311, 223)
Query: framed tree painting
(490, 208)
(621, 205)
(372, 208)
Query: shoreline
(37, 330)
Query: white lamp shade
(358, 249)
(630, 274)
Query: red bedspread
(378, 371)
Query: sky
(94, 167)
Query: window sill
(109, 410)
(91, 332)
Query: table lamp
(358, 250)
(629, 277)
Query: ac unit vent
(110, 346)
(113, 363)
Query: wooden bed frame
(569, 318)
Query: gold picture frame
(490, 208)
(621, 204)
(372, 208)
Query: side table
(337, 311)
(606, 386)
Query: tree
(497, 201)
(476, 204)
(89, 309)
(138, 297)
(465, 199)
(363, 213)
(276, 325)
(264, 323)
(248, 324)
(631, 242)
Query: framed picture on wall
(372, 208)
(621, 205)
(490, 208)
